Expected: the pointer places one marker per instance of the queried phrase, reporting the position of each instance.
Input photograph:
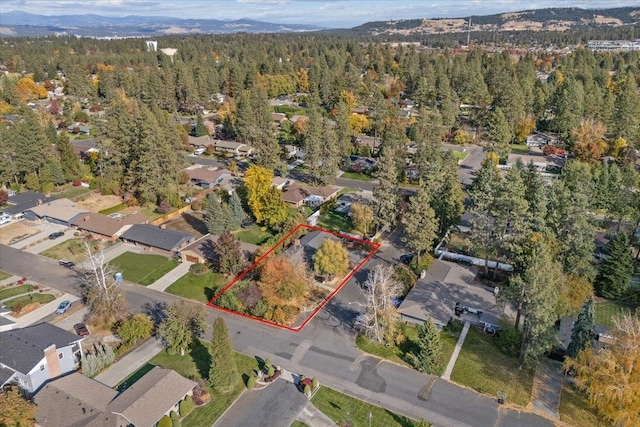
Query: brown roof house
(300, 194)
(232, 147)
(203, 250)
(77, 400)
(106, 227)
(207, 177)
(446, 283)
(58, 211)
(31, 356)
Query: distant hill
(28, 24)
(553, 19)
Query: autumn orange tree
(611, 376)
(283, 284)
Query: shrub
(271, 370)
(307, 390)
(508, 340)
(176, 423)
(164, 207)
(165, 422)
(549, 150)
(174, 416)
(201, 393)
(425, 263)
(197, 205)
(315, 383)
(134, 328)
(267, 362)
(251, 382)
(198, 269)
(405, 276)
(453, 327)
(186, 406)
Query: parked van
(5, 219)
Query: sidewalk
(130, 363)
(547, 387)
(456, 352)
(312, 417)
(48, 243)
(165, 281)
(40, 313)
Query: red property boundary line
(353, 271)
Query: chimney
(52, 361)
(86, 218)
(39, 201)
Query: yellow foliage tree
(303, 80)
(358, 123)
(362, 217)
(331, 259)
(348, 98)
(15, 410)
(493, 157)
(617, 147)
(525, 127)
(282, 282)
(28, 90)
(611, 376)
(257, 180)
(590, 142)
(574, 291)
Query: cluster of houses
(44, 361)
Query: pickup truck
(81, 329)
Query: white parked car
(200, 150)
(5, 219)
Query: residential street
(324, 348)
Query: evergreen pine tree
(428, 357)
(614, 273)
(200, 129)
(499, 134)
(230, 257)
(420, 222)
(237, 213)
(386, 194)
(223, 373)
(583, 329)
(68, 158)
(217, 217)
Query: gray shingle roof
(24, 201)
(22, 349)
(5, 374)
(161, 238)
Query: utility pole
(469, 32)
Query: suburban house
(77, 400)
(84, 147)
(299, 194)
(538, 139)
(279, 182)
(207, 177)
(17, 204)
(435, 296)
(344, 202)
(31, 356)
(156, 238)
(541, 162)
(232, 147)
(278, 118)
(290, 150)
(106, 227)
(58, 211)
(199, 141)
(203, 250)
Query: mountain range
(17, 23)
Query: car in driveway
(63, 307)
(81, 329)
(55, 235)
(200, 150)
(66, 263)
(406, 259)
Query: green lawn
(397, 353)
(356, 176)
(4, 275)
(113, 209)
(143, 268)
(459, 155)
(484, 368)
(71, 249)
(575, 410)
(606, 310)
(195, 364)
(343, 409)
(25, 300)
(520, 148)
(200, 288)
(254, 234)
(297, 423)
(335, 221)
(71, 192)
(17, 290)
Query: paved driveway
(277, 405)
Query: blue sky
(328, 13)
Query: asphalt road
(324, 348)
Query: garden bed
(292, 299)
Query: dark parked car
(55, 235)
(66, 263)
(406, 259)
(81, 329)
(63, 307)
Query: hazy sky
(328, 13)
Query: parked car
(406, 259)
(63, 307)
(200, 150)
(81, 329)
(55, 235)
(66, 263)
(5, 219)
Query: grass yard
(196, 364)
(520, 148)
(343, 409)
(459, 155)
(297, 423)
(356, 176)
(198, 287)
(335, 221)
(72, 249)
(17, 290)
(484, 368)
(143, 268)
(25, 300)
(71, 192)
(606, 310)
(4, 275)
(254, 234)
(397, 353)
(575, 410)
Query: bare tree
(104, 298)
(381, 317)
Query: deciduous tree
(331, 259)
(184, 323)
(610, 375)
(15, 410)
(381, 316)
(136, 327)
(223, 372)
(362, 217)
